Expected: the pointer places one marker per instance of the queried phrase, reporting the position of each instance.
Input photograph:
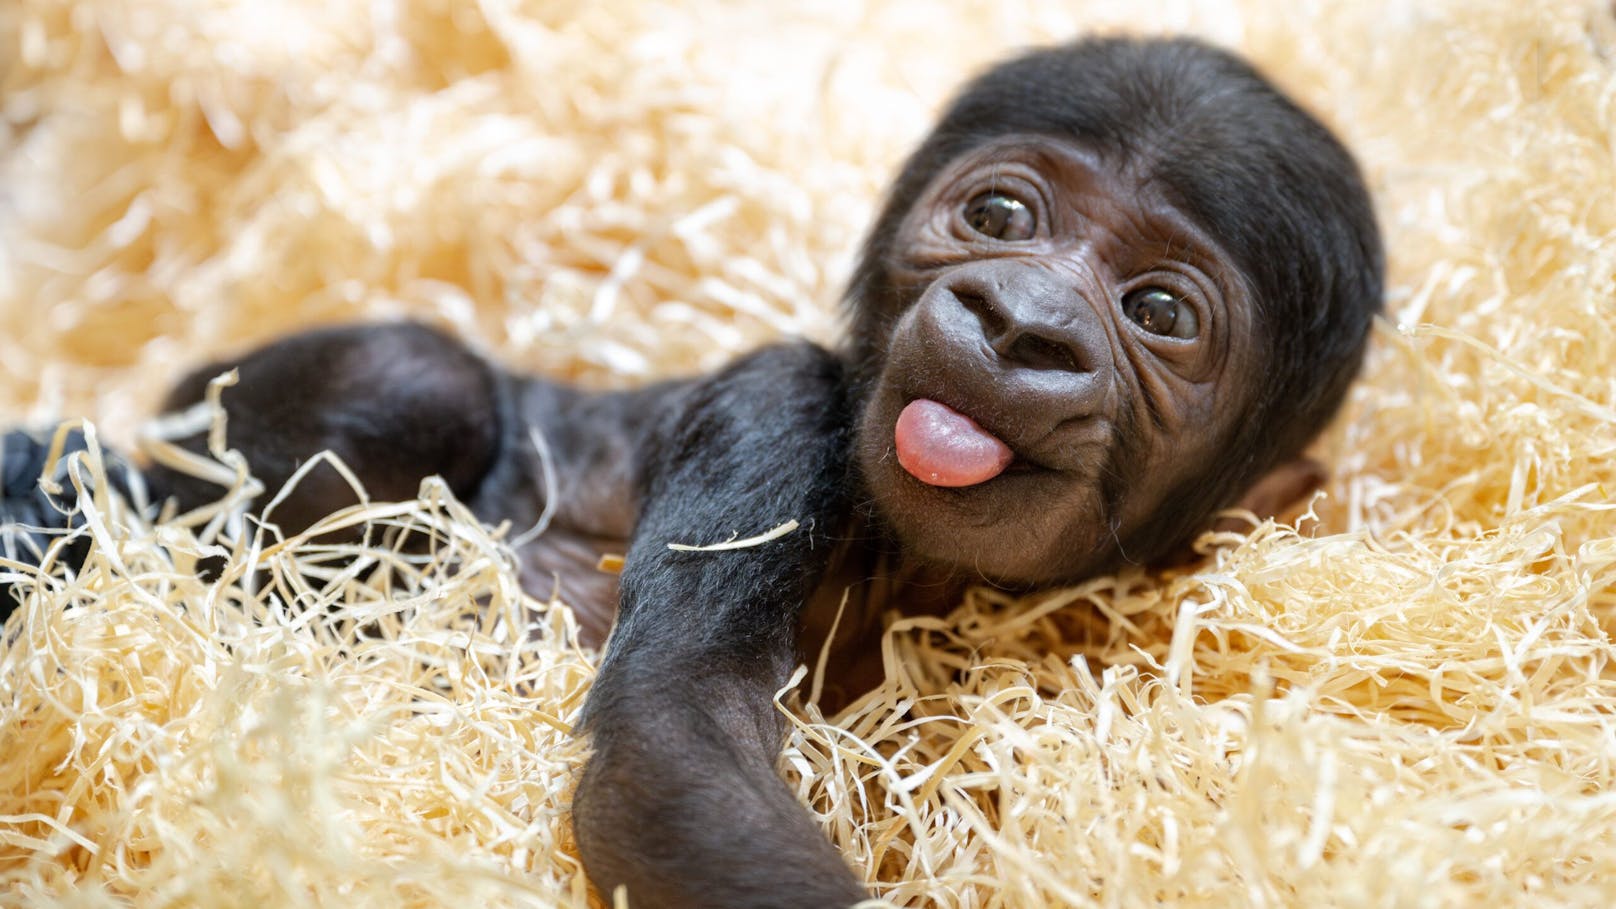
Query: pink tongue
(943, 447)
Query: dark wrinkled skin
(1137, 164)
(1028, 339)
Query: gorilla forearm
(680, 801)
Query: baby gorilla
(1122, 284)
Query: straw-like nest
(1407, 702)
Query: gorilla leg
(395, 402)
(29, 515)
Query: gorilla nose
(1030, 317)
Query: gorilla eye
(1000, 216)
(1161, 313)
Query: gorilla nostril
(1024, 326)
(1037, 352)
(994, 323)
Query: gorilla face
(1074, 349)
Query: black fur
(34, 519)
(680, 802)
(1277, 189)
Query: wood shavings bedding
(1404, 699)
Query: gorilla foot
(31, 518)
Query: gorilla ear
(1279, 489)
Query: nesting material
(1403, 698)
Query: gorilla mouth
(940, 446)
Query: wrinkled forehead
(1085, 193)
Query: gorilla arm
(680, 802)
